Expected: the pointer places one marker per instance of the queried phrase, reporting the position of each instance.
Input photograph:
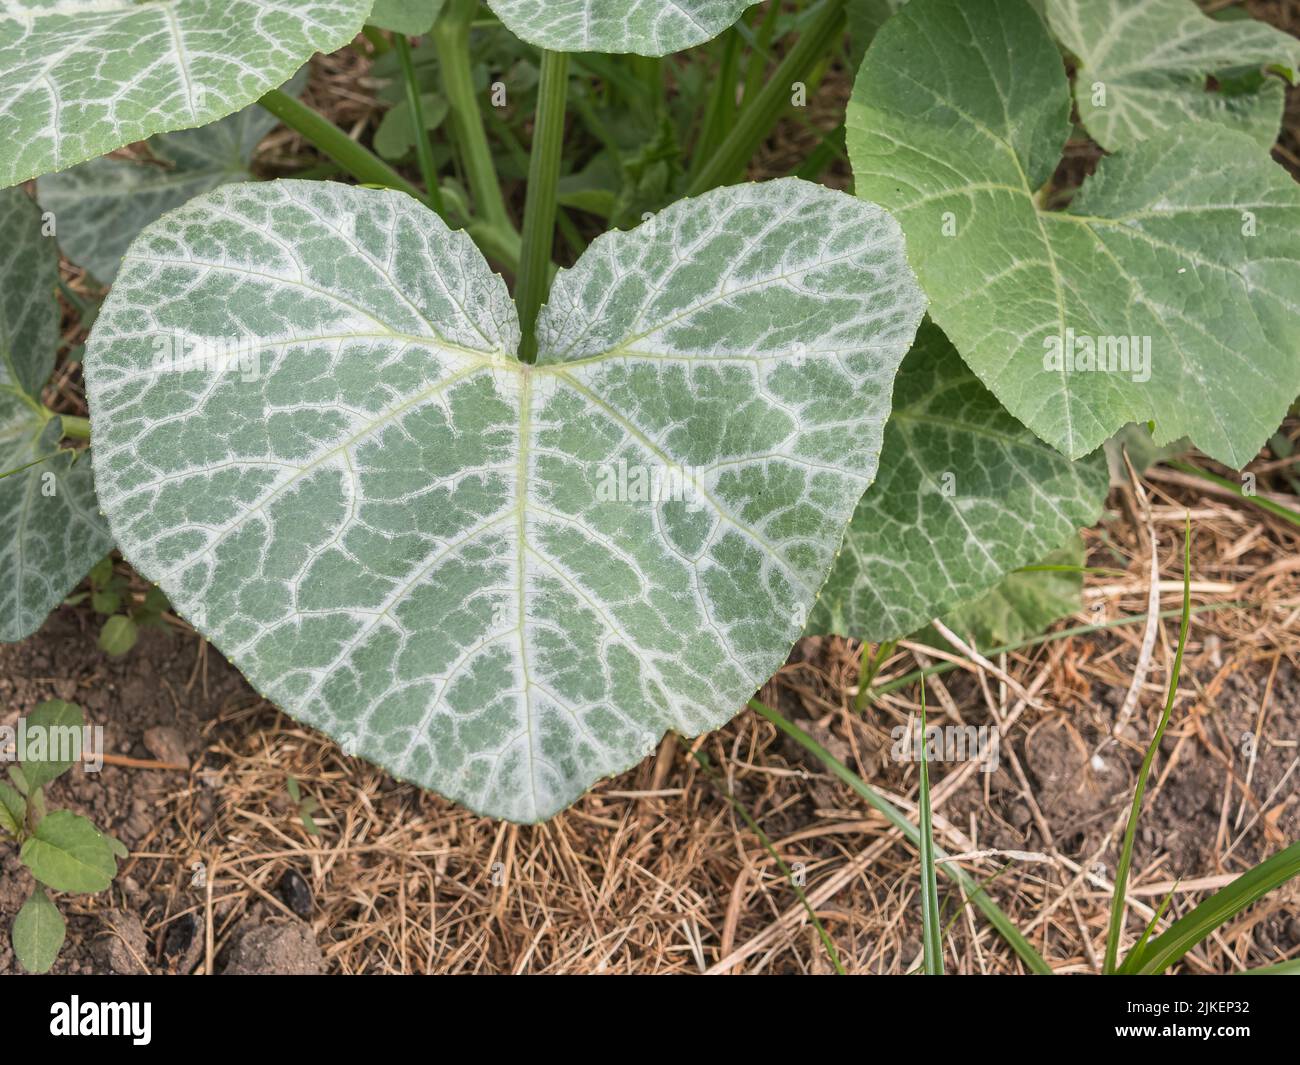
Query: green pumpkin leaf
(964, 495)
(38, 933)
(51, 532)
(1184, 245)
(501, 581)
(79, 78)
(645, 27)
(99, 207)
(1142, 67)
(412, 17)
(1021, 605)
(53, 717)
(68, 853)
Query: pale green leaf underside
(79, 78)
(964, 495)
(51, 531)
(411, 540)
(1153, 57)
(100, 206)
(1189, 238)
(646, 27)
(411, 17)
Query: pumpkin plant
(499, 539)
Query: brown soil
(654, 871)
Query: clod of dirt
(285, 948)
(182, 944)
(122, 947)
(295, 893)
(166, 744)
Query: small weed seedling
(62, 850)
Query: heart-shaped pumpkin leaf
(499, 580)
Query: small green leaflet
(964, 495)
(51, 531)
(68, 853)
(38, 933)
(501, 581)
(79, 78)
(1168, 291)
(100, 206)
(52, 717)
(412, 17)
(646, 27)
(1142, 66)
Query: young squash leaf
(79, 78)
(964, 495)
(502, 581)
(1142, 67)
(51, 531)
(646, 27)
(412, 17)
(1166, 291)
(99, 207)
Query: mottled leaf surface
(964, 495)
(79, 78)
(646, 27)
(441, 555)
(1021, 605)
(1190, 239)
(100, 206)
(1143, 65)
(51, 531)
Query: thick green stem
(355, 158)
(539, 211)
(451, 41)
(75, 428)
(423, 147)
(760, 114)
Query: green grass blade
(968, 884)
(786, 871)
(1219, 908)
(1119, 899)
(931, 924)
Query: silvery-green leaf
(964, 495)
(79, 78)
(1185, 246)
(1021, 605)
(1142, 67)
(458, 564)
(51, 531)
(412, 17)
(646, 27)
(99, 207)
(38, 933)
